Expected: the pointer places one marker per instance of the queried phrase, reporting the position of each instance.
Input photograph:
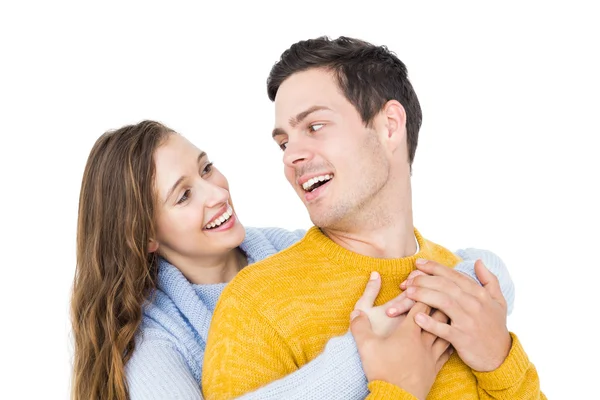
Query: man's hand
(409, 357)
(478, 329)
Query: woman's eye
(315, 127)
(283, 146)
(207, 169)
(184, 197)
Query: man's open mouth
(315, 182)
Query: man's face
(335, 163)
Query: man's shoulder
(439, 253)
(275, 266)
(271, 274)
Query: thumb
(360, 326)
(370, 293)
(488, 280)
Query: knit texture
(278, 315)
(170, 343)
(167, 361)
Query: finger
(437, 283)
(489, 281)
(370, 294)
(450, 305)
(443, 359)
(469, 302)
(439, 329)
(398, 305)
(464, 282)
(360, 326)
(428, 337)
(440, 346)
(410, 277)
(417, 309)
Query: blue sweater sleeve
(335, 374)
(158, 371)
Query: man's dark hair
(368, 75)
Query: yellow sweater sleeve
(243, 352)
(516, 378)
(381, 390)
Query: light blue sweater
(170, 344)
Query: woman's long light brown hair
(115, 272)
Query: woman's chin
(234, 236)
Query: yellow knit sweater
(278, 314)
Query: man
(347, 119)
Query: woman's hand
(386, 317)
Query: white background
(507, 157)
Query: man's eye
(184, 197)
(315, 127)
(207, 169)
(283, 146)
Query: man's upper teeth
(222, 218)
(309, 183)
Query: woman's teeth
(221, 219)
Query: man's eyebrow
(178, 182)
(294, 121)
(278, 132)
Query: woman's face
(195, 217)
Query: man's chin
(322, 221)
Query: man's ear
(152, 246)
(395, 124)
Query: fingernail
(411, 290)
(421, 261)
(392, 311)
(354, 314)
(374, 275)
(420, 318)
(403, 285)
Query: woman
(157, 240)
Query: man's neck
(395, 239)
(382, 229)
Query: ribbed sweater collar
(317, 240)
